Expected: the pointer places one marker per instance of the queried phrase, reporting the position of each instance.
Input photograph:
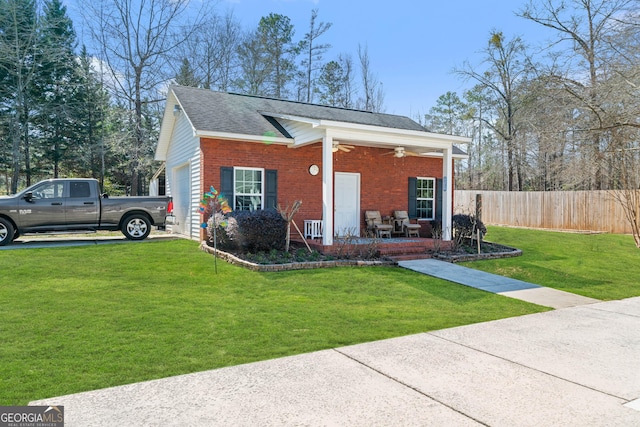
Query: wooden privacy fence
(557, 210)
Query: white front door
(347, 204)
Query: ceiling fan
(337, 146)
(400, 152)
(342, 147)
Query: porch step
(408, 248)
(409, 257)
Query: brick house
(340, 163)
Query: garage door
(182, 200)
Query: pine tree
(331, 84)
(18, 66)
(275, 34)
(55, 86)
(90, 117)
(187, 75)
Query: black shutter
(226, 184)
(271, 189)
(413, 193)
(439, 185)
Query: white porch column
(327, 190)
(447, 192)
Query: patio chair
(375, 224)
(408, 228)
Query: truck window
(51, 190)
(80, 189)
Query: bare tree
(211, 52)
(136, 38)
(373, 96)
(627, 186)
(479, 110)
(348, 88)
(583, 65)
(506, 66)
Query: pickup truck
(63, 205)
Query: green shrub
(255, 231)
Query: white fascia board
(166, 129)
(241, 137)
(169, 120)
(405, 132)
(391, 139)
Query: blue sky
(413, 44)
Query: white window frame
(432, 199)
(236, 194)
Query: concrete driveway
(577, 366)
(90, 239)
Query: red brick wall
(384, 178)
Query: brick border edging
(232, 259)
(510, 253)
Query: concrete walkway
(497, 284)
(576, 366)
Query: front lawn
(601, 266)
(84, 318)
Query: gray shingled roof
(241, 114)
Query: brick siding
(384, 178)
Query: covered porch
(381, 150)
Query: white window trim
(235, 194)
(418, 178)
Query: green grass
(77, 319)
(601, 266)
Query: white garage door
(182, 200)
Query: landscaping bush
(466, 226)
(254, 231)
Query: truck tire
(136, 227)
(6, 232)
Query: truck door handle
(88, 203)
(56, 204)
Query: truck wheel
(6, 232)
(136, 227)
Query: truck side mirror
(28, 196)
